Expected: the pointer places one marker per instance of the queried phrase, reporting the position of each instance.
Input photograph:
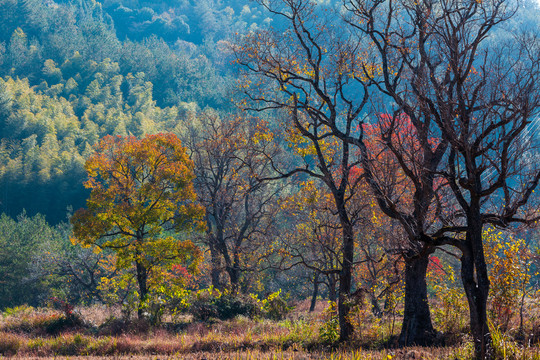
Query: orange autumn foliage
(139, 189)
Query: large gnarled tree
(304, 71)
(440, 67)
(323, 73)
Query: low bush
(329, 330)
(114, 326)
(9, 344)
(48, 323)
(22, 310)
(70, 345)
(275, 307)
(211, 303)
(56, 324)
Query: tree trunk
(142, 277)
(332, 293)
(375, 307)
(315, 291)
(417, 328)
(215, 273)
(232, 264)
(345, 283)
(476, 284)
(234, 276)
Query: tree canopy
(140, 189)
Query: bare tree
(400, 158)
(314, 239)
(309, 66)
(323, 70)
(476, 97)
(230, 155)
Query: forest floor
(29, 333)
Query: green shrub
(22, 310)
(102, 347)
(274, 307)
(57, 324)
(329, 330)
(203, 308)
(215, 304)
(70, 345)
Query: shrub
(69, 319)
(275, 307)
(229, 306)
(212, 303)
(449, 314)
(510, 272)
(41, 323)
(102, 346)
(329, 330)
(56, 324)
(70, 344)
(114, 326)
(9, 344)
(22, 310)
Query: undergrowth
(27, 332)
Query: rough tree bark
(215, 272)
(476, 283)
(345, 281)
(142, 278)
(315, 291)
(417, 328)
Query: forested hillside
(73, 72)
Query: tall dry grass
(23, 335)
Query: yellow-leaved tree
(141, 189)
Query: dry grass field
(30, 333)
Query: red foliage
(435, 266)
